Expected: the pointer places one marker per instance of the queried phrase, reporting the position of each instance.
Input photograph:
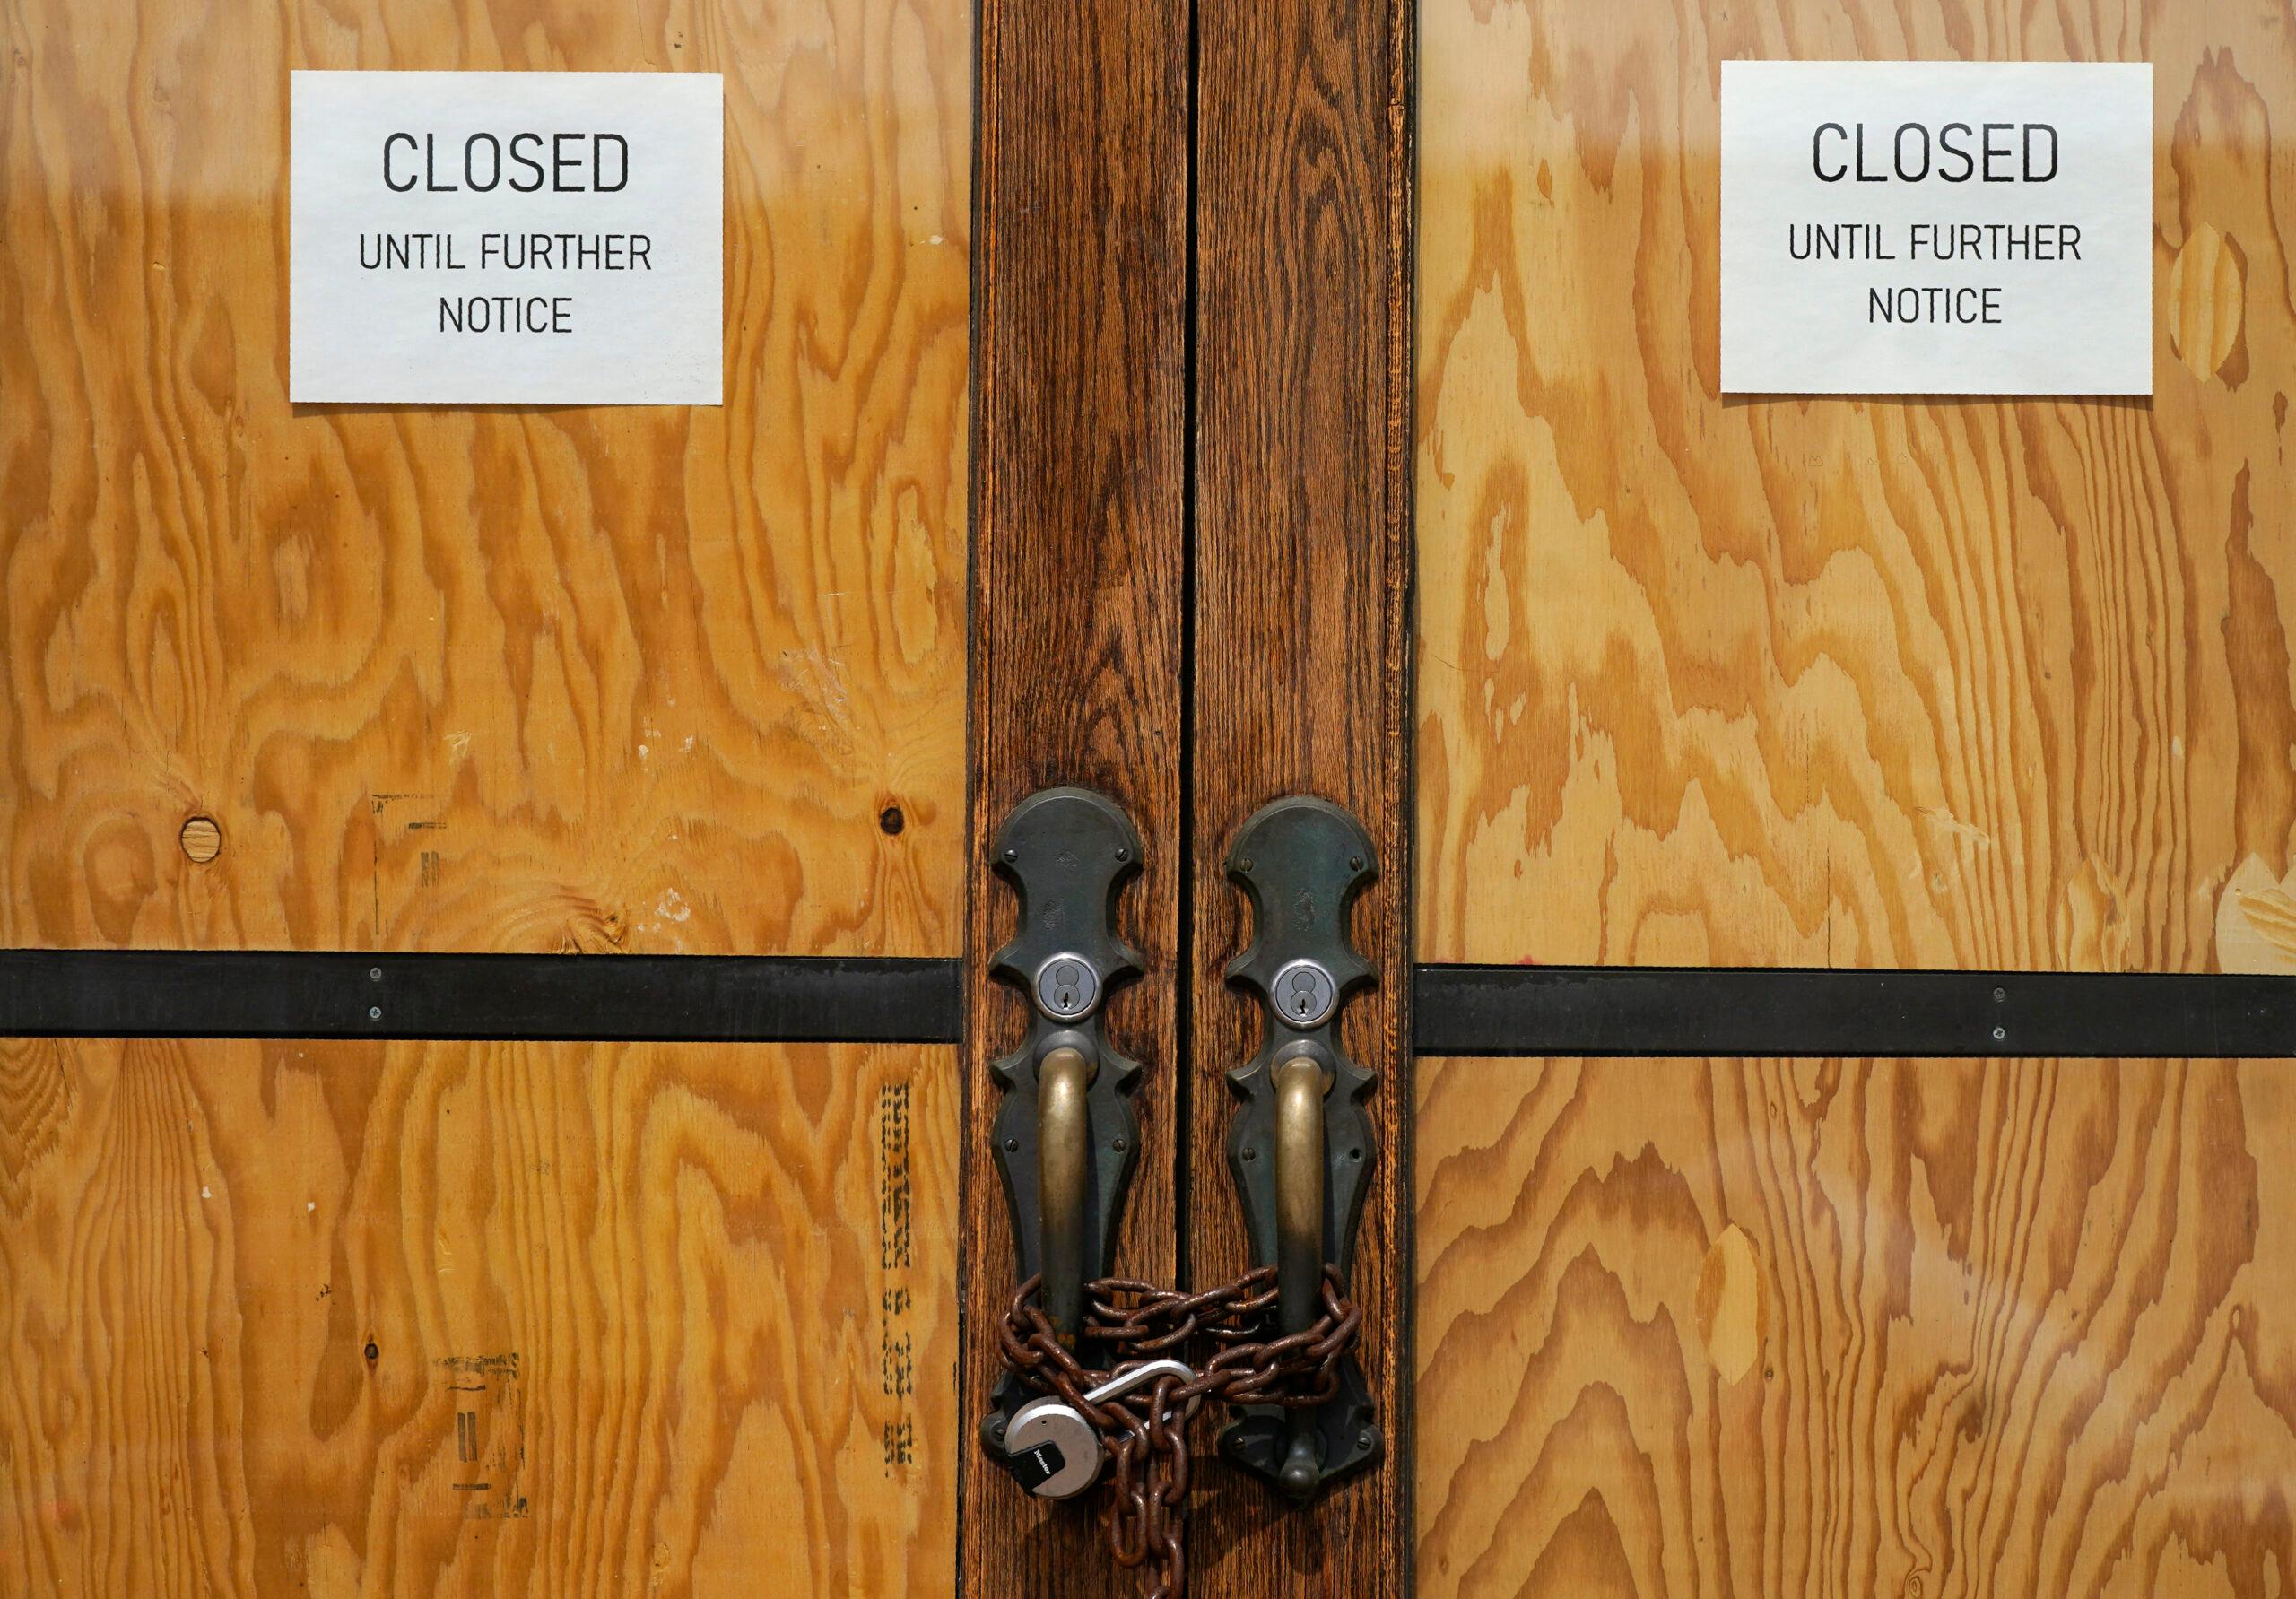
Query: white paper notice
(1936, 227)
(537, 239)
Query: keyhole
(1065, 975)
(1303, 993)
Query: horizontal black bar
(1621, 1010)
(297, 994)
(1456, 1010)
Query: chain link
(1145, 1431)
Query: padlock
(1056, 1452)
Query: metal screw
(1123, 854)
(1117, 1146)
(1243, 866)
(2000, 1033)
(374, 1013)
(1011, 1144)
(1355, 863)
(1363, 1439)
(1999, 995)
(375, 973)
(1012, 854)
(1250, 1153)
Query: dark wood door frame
(1191, 577)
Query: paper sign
(477, 237)
(1936, 227)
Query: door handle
(1300, 1081)
(1074, 1339)
(1066, 1138)
(1063, 1174)
(1301, 1147)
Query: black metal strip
(1544, 1010)
(295, 995)
(1457, 1010)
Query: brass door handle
(1300, 862)
(1300, 1081)
(1064, 1177)
(1065, 1135)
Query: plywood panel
(1839, 681)
(476, 1320)
(585, 679)
(1768, 1329)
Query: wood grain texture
(1773, 1329)
(530, 679)
(1077, 517)
(476, 1320)
(1302, 655)
(1836, 682)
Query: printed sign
(507, 238)
(1936, 227)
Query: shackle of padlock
(1053, 1451)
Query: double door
(499, 901)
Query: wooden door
(1190, 592)
(340, 1317)
(1830, 682)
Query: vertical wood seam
(1402, 925)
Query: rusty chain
(1145, 1431)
